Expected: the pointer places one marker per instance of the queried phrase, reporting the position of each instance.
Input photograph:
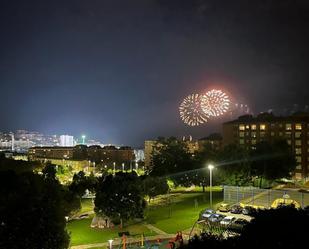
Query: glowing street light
(136, 166)
(110, 242)
(114, 169)
(210, 167)
(122, 166)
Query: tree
(272, 160)
(31, 212)
(154, 186)
(170, 156)
(234, 165)
(120, 197)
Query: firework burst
(215, 103)
(191, 112)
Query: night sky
(117, 70)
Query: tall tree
(31, 212)
(170, 156)
(120, 197)
(154, 186)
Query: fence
(262, 197)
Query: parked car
(228, 220)
(238, 225)
(224, 207)
(236, 209)
(216, 217)
(206, 213)
(248, 210)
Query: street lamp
(210, 167)
(114, 169)
(110, 242)
(122, 167)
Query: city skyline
(118, 71)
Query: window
(247, 127)
(253, 127)
(297, 151)
(262, 134)
(298, 127)
(241, 127)
(298, 142)
(253, 134)
(241, 134)
(272, 133)
(241, 141)
(288, 127)
(288, 134)
(262, 127)
(298, 166)
(297, 134)
(253, 141)
(280, 134)
(298, 159)
(289, 141)
(272, 125)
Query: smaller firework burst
(191, 112)
(215, 103)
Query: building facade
(107, 156)
(66, 141)
(247, 131)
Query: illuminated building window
(297, 151)
(247, 127)
(288, 127)
(241, 127)
(253, 141)
(298, 159)
(262, 134)
(253, 134)
(298, 142)
(253, 127)
(297, 134)
(288, 134)
(241, 134)
(262, 127)
(289, 142)
(298, 175)
(272, 133)
(280, 134)
(298, 127)
(298, 166)
(241, 141)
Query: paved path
(155, 229)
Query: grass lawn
(87, 205)
(82, 233)
(181, 214)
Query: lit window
(298, 159)
(247, 127)
(297, 126)
(253, 141)
(241, 127)
(298, 166)
(297, 134)
(297, 151)
(253, 127)
(288, 127)
(272, 133)
(262, 134)
(289, 142)
(280, 134)
(241, 134)
(241, 141)
(288, 134)
(253, 134)
(262, 127)
(298, 142)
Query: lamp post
(110, 242)
(114, 168)
(122, 167)
(210, 167)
